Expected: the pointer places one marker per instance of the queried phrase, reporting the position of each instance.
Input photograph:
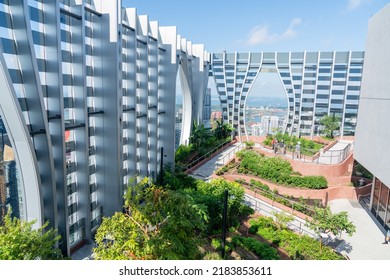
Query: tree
(183, 153)
(156, 224)
(222, 130)
(330, 123)
(19, 241)
(324, 221)
(200, 135)
(249, 145)
(282, 219)
(211, 195)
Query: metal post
(224, 220)
(161, 166)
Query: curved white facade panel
(315, 83)
(88, 103)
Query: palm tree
(330, 124)
(223, 130)
(200, 135)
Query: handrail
(274, 195)
(233, 152)
(206, 155)
(322, 157)
(263, 208)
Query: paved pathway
(207, 169)
(367, 242)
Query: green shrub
(249, 145)
(216, 244)
(308, 147)
(183, 152)
(260, 249)
(297, 246)
(277, 170)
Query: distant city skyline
(280, 25)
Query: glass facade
(11, 196)
(381, 203)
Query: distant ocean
(251, 101)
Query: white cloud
(261, 35)
(354, 4)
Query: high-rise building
(207, 109)
(373, 129)
(315, 84)
(269, 125)
(88, 102)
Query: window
(8, 46)
(354, 88)
(355, 79)
(35, 14)
(322, 87)
(4, 19)
(355, 70)
(38, 38)
(324, 70)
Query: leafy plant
(282, 219)
(261, 249)
(330, 123)
(308, 147)
(297, 246)
(156, 224)
(277, 170)
(324, 221)
(19, 241)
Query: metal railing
(321, 157)
(226, 158)
(219, 148)
(261, 207)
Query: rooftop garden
(276, 170)
(298, 247)
(307, 147)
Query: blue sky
(264, 25)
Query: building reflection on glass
(10, 189)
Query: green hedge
(308, 147)
(282, 199)
(277, 170)
(260, 249)
(299, 247)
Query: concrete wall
(373, 129)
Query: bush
(216, 244)
(183, 152)
(297, 246)
(308, 147)
(249, 145)
(277, 170)
(261, 249)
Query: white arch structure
(315, 83)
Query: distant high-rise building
(269, 124)
(88, 102)
(315, 83)
(207, 109)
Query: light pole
(161, 179)
(224, 221)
